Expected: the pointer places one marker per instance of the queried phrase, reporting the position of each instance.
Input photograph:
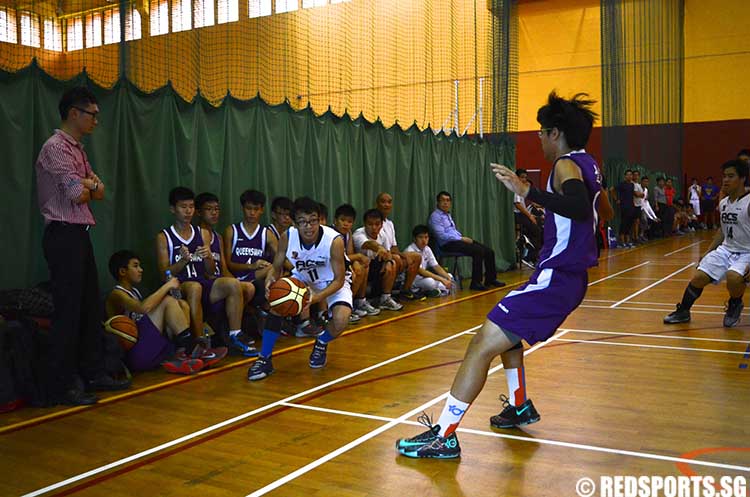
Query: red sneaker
(183, 365)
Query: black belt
(84, 227)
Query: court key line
(618, 273)
(367, 436)
(653, 309)
(684, 248)
(640, 345)
(654, 335)
(650, 286)
(541, 441)
(237, 418)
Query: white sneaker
(359, 312)
(369, 309)
(389, 304)
(353, 318)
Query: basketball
(287, 297)
(124, 329)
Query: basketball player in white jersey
(317, 256)
(729, 254)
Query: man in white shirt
(372, 242)
(431, 278)
(407, 263)
(638, 199)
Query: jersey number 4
(729, 233)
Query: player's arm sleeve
(573, 203)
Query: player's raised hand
(509, 178)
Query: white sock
(453, 411)
(385, 297)
(233, 333)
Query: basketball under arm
(574, 202)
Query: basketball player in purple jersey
(249, 249)
(208, 209)
(181, 250)
(557, 287)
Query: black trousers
(479, 253)
(75, 342)
(532, 231)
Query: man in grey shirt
(660, 202)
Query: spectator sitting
(450, 239)
(370, 241)
(432, 279)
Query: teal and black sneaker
(513, 416)
(429, 443)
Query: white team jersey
(735, 223)
(312, 264)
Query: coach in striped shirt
(66, 185)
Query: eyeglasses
(307, 222)
(543, 130)
(92, 114)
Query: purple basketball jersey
(216, 252)
(248, 248)
(571, 245)
(195, 270)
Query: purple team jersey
(248, 249)
(216, 251)
(557, 287)
(195, 270)
(571, 245)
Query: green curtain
(146, 144)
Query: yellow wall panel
(717, 60)
(558, 48)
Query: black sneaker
(261, 369)
(318, 355)
(410, 295)
(429, 443)
(513, 416)
(678, 316)
(733, 313)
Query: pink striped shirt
(60, 167)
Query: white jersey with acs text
(312, 264)
(735, 223)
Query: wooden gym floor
(619, 394)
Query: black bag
(7, 387)
(114, 357)
(35, 301)
(24, 341)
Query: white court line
(683, 248)
(668, 304)
(652, 309)
(650, 286)
(653, 335)
(640, 345)
(367, 436)
(235, 419)
(541, 441)
(623, 271)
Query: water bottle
(454, 286)
(174, 292)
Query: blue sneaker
(318, 355)
(261, 369)
(243, 345)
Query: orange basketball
(124, 329)
(287, 297)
